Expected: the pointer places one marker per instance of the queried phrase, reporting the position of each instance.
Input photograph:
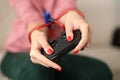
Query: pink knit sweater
(30, 11)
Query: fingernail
(58, 69)
(69, 38)
(50, 51)
(75, 52)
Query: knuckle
(32, 54)
(32, 60)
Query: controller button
(63, 33)
(64, 36)
(56, 44)
(51, 41)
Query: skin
(72, 21)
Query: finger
(45, 45)
(42, 42)
(37, 62)
(42, 59)
(84, 39)
(48, 49)
(69, 32)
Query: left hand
(72, 21)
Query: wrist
(40, 28)
(64, 14)
(33, 25)
(37, 33)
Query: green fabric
(19, 67)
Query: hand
(72, 21)
(39, 41)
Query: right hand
(39, 41)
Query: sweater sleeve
(61, 5)
(26, 11)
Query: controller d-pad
(54, 44)
(51, 41)
(64, 36)
(63, 33)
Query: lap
(84, 68)
(20, 67)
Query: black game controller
(61, 46)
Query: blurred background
(104, 18)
